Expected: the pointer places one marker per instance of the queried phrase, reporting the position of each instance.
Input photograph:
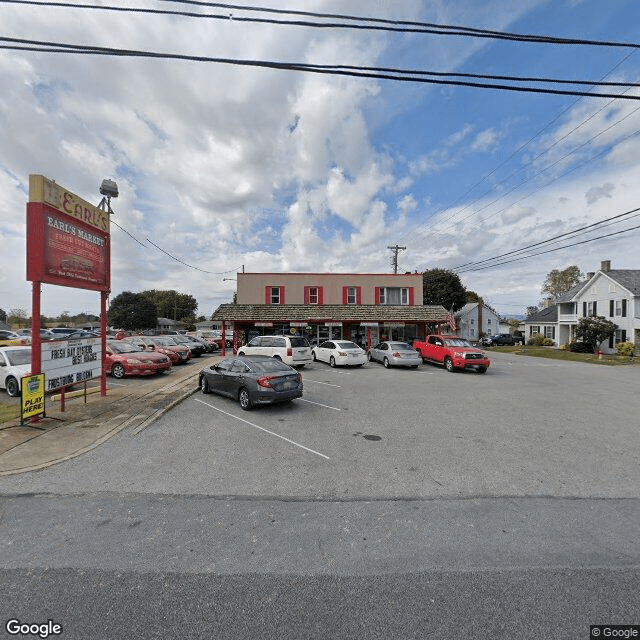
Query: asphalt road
(384, 504)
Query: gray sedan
(252, 380)
(395, 354)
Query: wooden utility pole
(394, 260)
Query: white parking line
(326, 406)
(262, 429)
(305, 379)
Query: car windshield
(457, 342)
(124, 347)
(19, 356)
(165, 342)
(401, 346)
(347, 345)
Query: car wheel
(414, 366)
(117, 371)
(313, 353)
(482, 369)
(448, 364)
(244, 399)
(369, 358)
(204, 385)
(13, 388)
(332, 361)
(241, 353)
(278, 358)
(386, 364)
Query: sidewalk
(81, 427)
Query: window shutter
(320, 295)
(306, 295)
(267, 295)
(358, 295)
(281, 295)
(623, 335)
(624, 308)
(595, 308)
(611, 308)
(611, 342)
(412, 300)
(345, 295)
(584, 309)
(377, 295)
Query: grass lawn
(9, 411)
(560, 354)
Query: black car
(506, 339)
(252, 380)
(196, 348)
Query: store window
(396, 296)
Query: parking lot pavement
(89, 421)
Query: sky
(222, 167)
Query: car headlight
(132, 361)
(458, 354)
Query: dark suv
(506, 339)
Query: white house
(612, 293)
(474, 318)
(544, 323)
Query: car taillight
(342, 353)
(396, 354)
(289, 351)
(265, 381)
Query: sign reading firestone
(68, 241)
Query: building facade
(365, 308)
(475, 320)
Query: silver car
(395, 354)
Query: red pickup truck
(453, 352)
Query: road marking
(337, 386)
(262, 429)
(326, 406)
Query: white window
(590, 309)
(394, 295)
(313, 295)
(351, 295)
(618, 307)
(550, 332)
(275, 295)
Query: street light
(108, 189)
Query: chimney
(605, 265)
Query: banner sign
(369, 324)
(333, 324)
(32, 396)
(70, 362)
(298, 324)
(263, 324)
(68, 241)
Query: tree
(173, 305)
(559, 282)
(441, 286)
(132, 312)
(531, 311)
(17, 316)
(594, 330)
(3, 315)
(472, 296)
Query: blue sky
(223, 166)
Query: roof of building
(628, 278)
(544, 316)
(467, 308)
(337, 312)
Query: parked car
(208, 347)
(453, 352)
(339, 352)
(15, 362)
(168, 343)
(196, 348)
(292, 350)
(62, 332)
(395, 354)
(45, 334)
(502, 339)
(147, 344)
(125, 359)
(11, 338)
(252, 380)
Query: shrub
(580, 347)
(547, 342)
(536, 340)
(626, 349)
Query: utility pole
(394, 260)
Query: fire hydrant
(599, 355)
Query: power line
(378, 24)
(400, 75)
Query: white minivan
(292, 350)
